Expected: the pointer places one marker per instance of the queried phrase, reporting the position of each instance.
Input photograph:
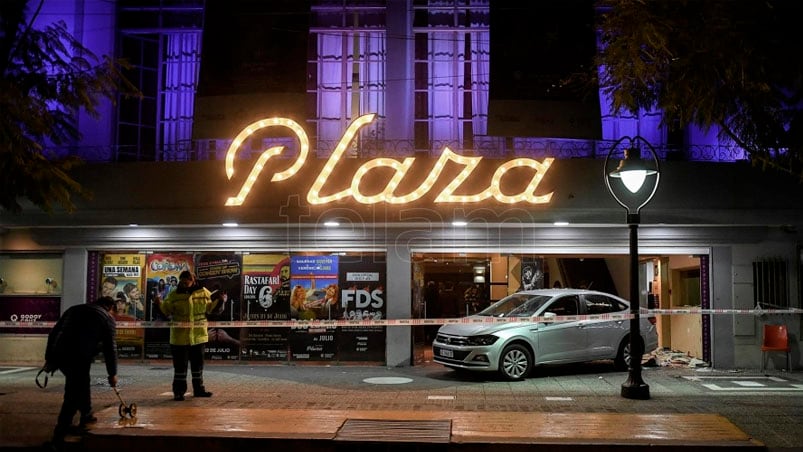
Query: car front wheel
(622, 361)
(515, 362)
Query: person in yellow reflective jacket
(188, 306)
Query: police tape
(299, 324)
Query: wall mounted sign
(398, 168)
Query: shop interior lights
(51, 284)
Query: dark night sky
(535, 45)
(254, 46)
(535, 48)
(260, 47)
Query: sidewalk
(577, 406)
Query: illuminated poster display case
(30, 289)
(257, 291)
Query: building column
(723, 291)
(75, 277)
(398, 348)
(399, 80)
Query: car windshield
(516, 305)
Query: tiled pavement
(768, 410)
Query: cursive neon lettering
(399, 168)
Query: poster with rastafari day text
(266, 296)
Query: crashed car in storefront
(588, 325)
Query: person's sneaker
(87, 421)
(53, 446)
(203, 393)
(178, 397)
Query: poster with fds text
(362, 297)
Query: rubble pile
(664, 357)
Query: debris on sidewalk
(665, 357)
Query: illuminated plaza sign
(399, 169)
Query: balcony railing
(489, 147)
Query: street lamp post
(625, 184)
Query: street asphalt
(766, 406)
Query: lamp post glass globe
(633, 180)
(632, 170)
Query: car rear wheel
(515, 362)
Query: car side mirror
(549, 315)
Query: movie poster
(532, 274)
(121, 279)
(162, 271)
(266, 286)
(362, 297)
(266, 296)
(221, 274)
(314, 295)
(314, 287)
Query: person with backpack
(72, 345)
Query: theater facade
(321, 185)
(353, 242)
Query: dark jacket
(77, 335)
(450, 304)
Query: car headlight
(482, 340)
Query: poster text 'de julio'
(266, 296)
(314, 295)
(221, 274)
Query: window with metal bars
(347, 71)
(771, 283)
(452, 69)
(161, 39)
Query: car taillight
(652, 320)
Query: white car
(514, 348)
